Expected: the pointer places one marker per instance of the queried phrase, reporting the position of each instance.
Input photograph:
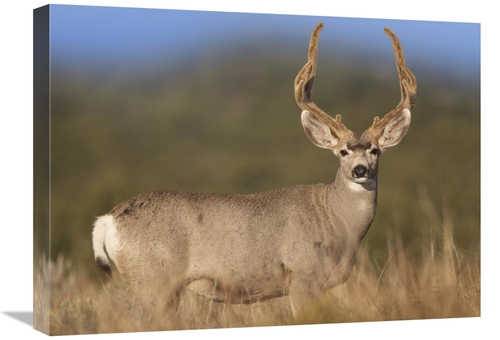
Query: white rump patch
(105, 236)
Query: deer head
(358, 153)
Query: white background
(16, 164)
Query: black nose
(359, 171)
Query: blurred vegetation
(228, 122)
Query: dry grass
(417, 281)
(441, 283)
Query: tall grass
(442, 282)
(420, 280)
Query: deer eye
(374, 152)
(343, 153)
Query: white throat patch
(369, 184)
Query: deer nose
(359, 171)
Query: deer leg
(302, 294)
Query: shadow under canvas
(24, 317)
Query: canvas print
(199, 170)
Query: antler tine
(407, 84)
(304, 82)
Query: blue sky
(103, 35)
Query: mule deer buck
(298, 241)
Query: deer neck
(353, 205)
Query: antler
(408, 86)
(303, 88)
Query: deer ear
(395, 130)
(319, 133)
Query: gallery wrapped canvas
(187, 176)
